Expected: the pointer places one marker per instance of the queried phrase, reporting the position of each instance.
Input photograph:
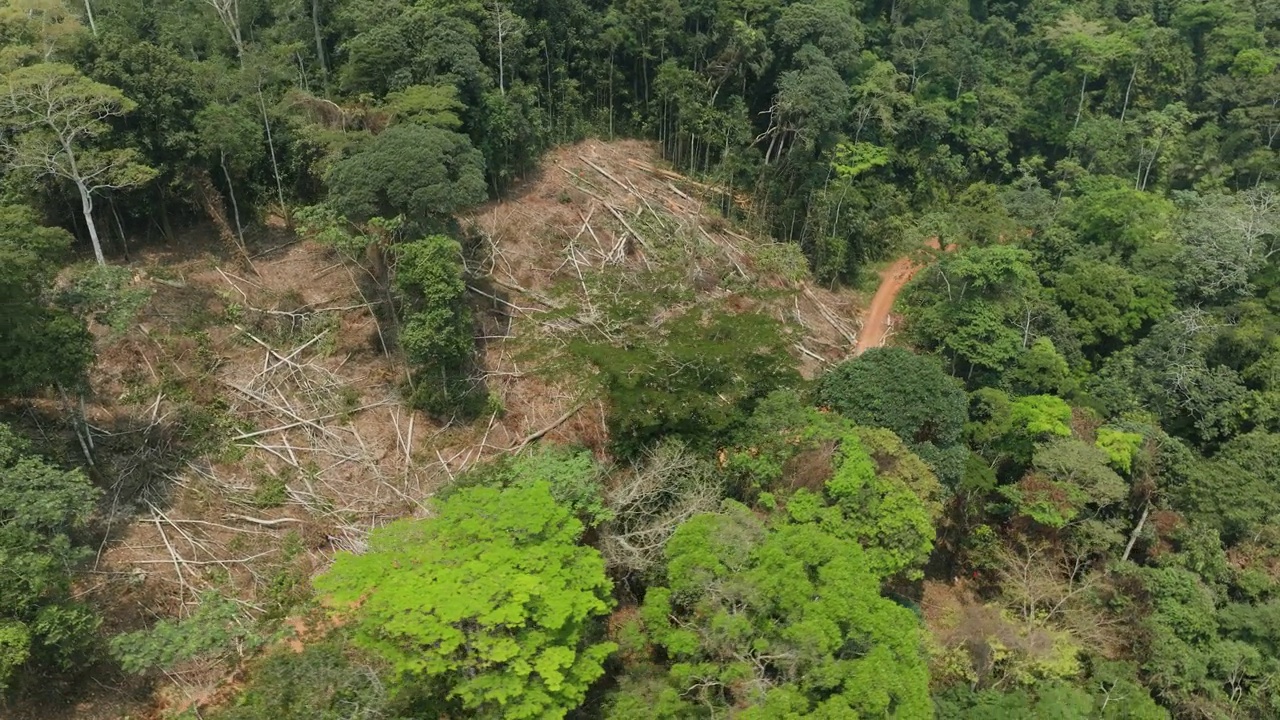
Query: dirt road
(878, 318)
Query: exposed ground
(251, 420)
(603, 208)
(878, 320)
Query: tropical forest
(639, 359)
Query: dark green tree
(980, 307)
(326, 680)
(1108, 306)
(907, 393)
(436, 332)
(41, 344)
(43, 511)
(422, 173)
(696, 380)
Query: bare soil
(596, 207)
(879, 319)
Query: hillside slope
(252, 421)
(598, 209)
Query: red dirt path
(878, 318)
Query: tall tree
(422, 173)
(40, 344)
(54, 113)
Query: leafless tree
(668, 487)
(506, 25)
(229, 15)
(1040, 580)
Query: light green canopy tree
(485, 607)
(53, 113)
(780, 621)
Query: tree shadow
(134, 460)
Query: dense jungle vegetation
(1057, 495)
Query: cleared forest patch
(604, 221)
(251, 423)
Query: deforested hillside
(256, 415)
(603, 245)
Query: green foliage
(1237, 491)
(575, 478)
(1057, 700)
(41, 344)
(899, 390)
(990, 420)
(972, 306)
(486, 606)
(880, 493)
(853, 159)
(423, 173)
(1040, 416)
(696, 378)
(326, 680)
(762, 619)
(428, 105)
(436, 332)
(1174, 373)
(906, 393)
(272, 491)
(1107, 170)
(781, 427)
(1186, 655)
(218, 627)
(897, 463)
(1043, 501)
(1041, 369)
(230, 134)
(52, 114)
(1121, 447)
(15, 649)
(1007, 429)
(1110, 212)
(429, 280)
(1111, 693)
(889, 520)
(1067, 477)
(1084, 466)
(43, 510)
(107, 294)
(326, 225)
(1107, 304)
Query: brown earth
(608, 207)
(879, 319)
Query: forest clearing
(291, 352)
